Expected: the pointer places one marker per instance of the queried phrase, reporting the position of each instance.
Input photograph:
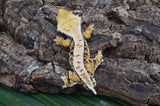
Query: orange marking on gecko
(83, 75)
(80, 46)
(78, 67)
(77, 55)
(81, 70)
(78, 62)
(88, 82)
(77, 44)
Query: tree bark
(127, 31)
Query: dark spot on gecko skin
(90, 61)
(86, 54)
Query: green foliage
(11, 97)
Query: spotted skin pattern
(79, 57)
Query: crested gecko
(79, 57)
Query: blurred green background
(11, 97)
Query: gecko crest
(79, 57)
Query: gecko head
(68, 23)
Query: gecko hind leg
(92, 64)
(63, 42)
(71, 79)
(87, 33)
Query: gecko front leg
(63, 42)
(87, 33)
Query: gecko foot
(63, 42)
(70, 80)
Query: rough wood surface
(127, 31)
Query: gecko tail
(94, 91)
(90, 88)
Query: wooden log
(128, 33)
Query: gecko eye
(78, 13)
